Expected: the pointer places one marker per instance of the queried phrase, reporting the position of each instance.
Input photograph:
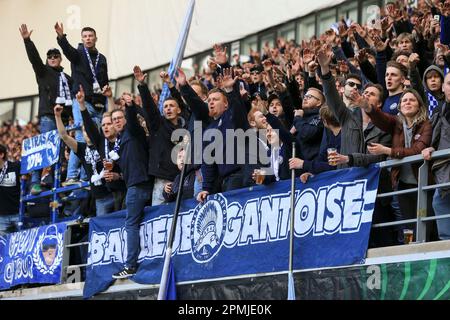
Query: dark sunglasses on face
(54, 56)
(353, 84)
(48, 246)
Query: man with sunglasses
(309, 125)
(353, 84)
(54, 88)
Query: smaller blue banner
(40, 152)
(32, 256)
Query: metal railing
(422, 190)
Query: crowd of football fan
(355, 95)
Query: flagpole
(165, 273)
(179, 53)
(291, 286)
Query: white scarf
(64, 96)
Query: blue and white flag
(244, 231)
(432, 103)
(40, 152)
(32, 256)
(179, 53)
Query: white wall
(141, 32)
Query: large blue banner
(244, 231)
(40, 152)
(32, 256)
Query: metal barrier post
(55, 197)
(23, 186)
(66, 253)
(422, 200)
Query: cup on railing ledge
(408, 235)
(259, 175)
(332, 152)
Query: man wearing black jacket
(104, 144)
(54, 87)
(90, 70)
(161, 127)
(131, 153)
(228, 113)
(9, 192)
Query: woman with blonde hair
(411, 133)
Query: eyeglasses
(354, 84)
(309, 96)
(54, 56)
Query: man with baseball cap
(54, 88)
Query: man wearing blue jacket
(131, 152)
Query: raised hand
(220, 54)
(413, 60)
(180, 77)
(324, 56)
(24, 31)
(165, 77)
(379, 44)
(267, 65)
(59, 28)
(343, 32)
(228, 80)
(139, 75)
(58, 109)
(361, 56)
(80, 95)
(128, 99)
(107, 91)
(308, 56)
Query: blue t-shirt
(391, 104)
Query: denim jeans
(441, 206)
(8, 224)
(73, 168)
(137, 197)
(47, 124)
(104, 205)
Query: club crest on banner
(52, 147)
(48, 251)
(208, 228)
